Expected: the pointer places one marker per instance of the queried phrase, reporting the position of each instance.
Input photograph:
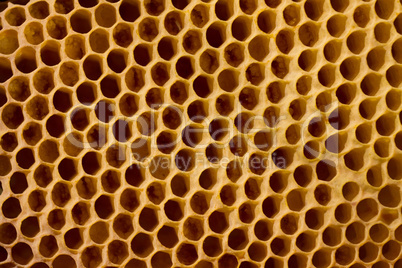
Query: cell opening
(99, 40)
(332, 50)
(314, 9)
(266, 21)
(258, 47)
(166, 48)
(39, 10)
(199, 15)
(361, 15)
(216, 35)
(122, 35)
(129, 10)
(307, 60)
(50, 53)
(382, 32)
(173, 24)
(8, 41)
(56, 27)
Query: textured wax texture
(185, 133)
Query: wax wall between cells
(213, 133)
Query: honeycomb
(213, 133)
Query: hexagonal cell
(173, 210)
(129, 10)
(99, 232)
(199, 203)
(105, 15)
(73, 238)
(21, 253)
(62, 261)
(117, 251)
(148, 27)
(141, 245)
(15, 16)
(192, 41)
(25, 158)
(11, 208)
(80, 213)
(61, 194)
(39, 10)
(280, 246)
(56, 219)
(234, 54)
(64, 6)
(34, 33)
(12, 115)
(160, 73)
(216, 34)
(244, 122)
(266, 21)
(143, 54)
(199, 15)
(218, 222)
(91, 257)
(30, 227)
(8, 233)
(193, 228)
(258, 47)
(8, 41)
(122, 35)
(36, 200)
(187, 254)
(57, 27)
(123, 225)
(50, 53)
(48, 246)
(306, 241)
(104, 206)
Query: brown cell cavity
(105, 15)
(99, 40)
(39, 10)
(8, 41)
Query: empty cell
(91, 257)
(322, 194)
(314, 218)
(266, 21)
(216, 35)
(198, 111)
(336, 25)
(344, 255)
(224, 9)
(129, 200)
(34, 33)
(237, 239)
(69, 73)
(339, 6)
(192, 41)
(307, 60)
(361, 15)
(8, 142)
(86, 187)
(98, 40)
(398, 24)
(289, 224)
(398, 140)
(117, 251)
(308, 34)
(110, 86)
(56, 27)
(209, 61)
(173, 210)
(192, 135)
(37, 107)
(116, 60)
(241, 28)
(128, 104)
(384, 8)
(280, 246)
(227, 261)
(160, 73)
(48, 151)
(122, 34)
(391, 250)
(199, 15)
(343, 212)
(166, 48)
(129, 10)
(155, 193)
(18, 88)
(394, 75)
(356, 41)
(25, 158)
(55, 219)
(393, 99)
(270, 206)
(64, 261)
(332, 50)
(143, 54)
(374, 177)
(39, 10)
(284, 41)
(80, 213)
(246, 213)
(336, 143)
(367, 108)
(90, 163)
(314, 9)
(187, 254)
(61, 194)
(396, 51)
(171, 117)
(8, 41)
(193, 228)
(50, 53)
(258, 47)
(389, 196)
(123, 225)
(154, 7)
(154, 98)
(116, 155)
(135, 79)
(297, 109)
(381, 147)
(218, 222)
(105, 15)
(376, 58)
(25, 60)
(291, 15)
(367, 209)
(79, 119)
(382, 32)
(86, 93)
(140, 149)
(32, 133)
(146, 123)
(306, 241)
(64, 6)
(184, 68)
(43, 80)
(326, 75)
(173, 24)
(21, 253)
(322, 258)
(385, 124)
(15, 16)
(104, 206)
(368, 252)
(81, 21)
(199, 203)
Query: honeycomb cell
(105, 15)
(99, 40)
(34, 33)
(173, 24)
(8, 41)
(129, 10)
(91, 257)
(21, 253)
(199, 15)
(141, 245)
(63, 6)
(56, 27)
(266, 21)
(39, 10)
(73, 238)
(64, 261)
(122, 35)
(192, 41)
(50, 53)
(216, 34)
